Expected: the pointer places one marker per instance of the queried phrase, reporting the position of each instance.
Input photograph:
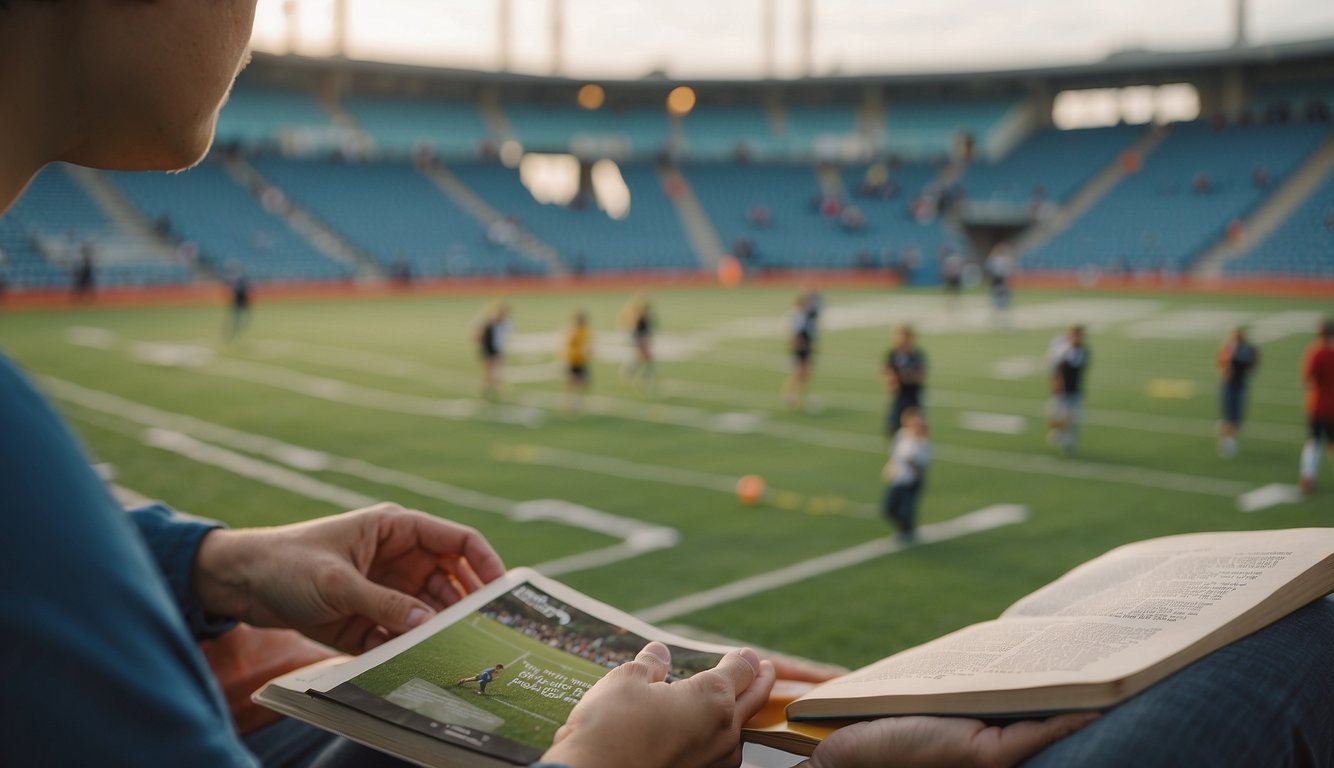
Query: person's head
(912, 421)
(122, 85)
(903, 336)
(1075, 335)
(1325, 331)
(1238, 334)
(501, 311)
(499, 667)
(580, 318)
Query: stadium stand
(1050, 165)
(55, 220)
(1303, 246)
(260, 116)
(635, 131)
(391, 211)
(927, 130)
(402, 126)
(1157, 219)
(806, 126)
(1293, 100)
(799, 235)
(228, 225)
(650, 237)
(714, 132)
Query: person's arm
(351, 581)
(173, 539)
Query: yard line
(185, 435)
(973, 522)
(574, 671)
(1268, 496)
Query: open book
(1097, 635)
(1094, 637)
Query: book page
(501, 671)
(1177, 578)
(1106, 620)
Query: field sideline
(322, 405)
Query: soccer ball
(750, 489)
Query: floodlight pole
(806, 28)
(291, 16)
(557, 36)
(768, 24)
(1240, 16)
(504, 21)
(340, 28)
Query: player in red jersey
(1318, 376)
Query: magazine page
(499, 672)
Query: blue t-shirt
(98, 664)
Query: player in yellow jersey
(578, 353)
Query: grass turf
(729, 362)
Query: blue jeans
(1266, 700)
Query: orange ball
(750, 489)
(730, 271)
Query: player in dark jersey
(951, 277)
(1068, 364)
(1318, 376)
(483, 678)
(238, 288)
(905, 377)
(802, 323)
(1000, 271)
(1237, 361)
(491, 347)
(638, 318)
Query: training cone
(749, 489)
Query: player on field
(238, 286)
(905, 472)
(483, 678)
(1000, 271)
(578, 351)
(905, 377)
(1318, 376)
(951, 278)
(638, 318)
(490, 337)
(1237, 360)
(1068, 361)
(802, 324)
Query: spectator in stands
(1260, 178)
(578, 354)
(831, 206)
(852, 219)
(908, 263)
(1318, 377)
(759, 217)
(1237, 360)
(490, 338)
(400, 272)
(84, 282)
(1201, 184)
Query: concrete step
(136, 239)
(526, 243)
(700, 232)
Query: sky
(723, 38)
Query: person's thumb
(389, 608)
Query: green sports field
(323, 405)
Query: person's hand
(351, 581)
(928, 742)
(632, 717)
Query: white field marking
(85, 336)
(1014, 368)
(996, 423)
(171, 355)
(1201, 323)
(973, 522)
(611, 466)
(1268, 496)
(638, 537)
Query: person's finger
(389, 608)
(657, 660)
(737, 670)
(439, 585)
(445, 538)
(1018, 741)
(756, 695)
